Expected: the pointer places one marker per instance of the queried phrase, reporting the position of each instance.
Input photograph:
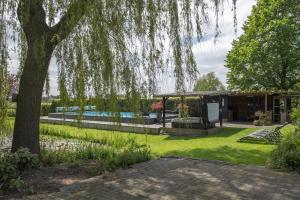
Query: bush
(46, 108)
(295, 115)
(123, 105)
(112, 151)
(11, 167)
(110, 158)
(287, 153)
(61, 132)
(134, 153)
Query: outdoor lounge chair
(270, 136)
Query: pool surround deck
(154, 129)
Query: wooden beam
(164, 111)
(220, 111)
(204, 113)
(266, 103)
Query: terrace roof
(229, 93)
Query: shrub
(46, 108)
(112, 151)
(11, 167)
(295, 115)
(69, 152)
(134, 153)
(104, 139)
(109, 157)
(287, 153)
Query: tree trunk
(41, 41)
(26, 129)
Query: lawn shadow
(185, 179)
(224, 153)
(221, 132)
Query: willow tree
(103, 48)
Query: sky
(209, 55)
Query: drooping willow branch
(113, 48)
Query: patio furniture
(190, 122)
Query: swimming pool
(110, 114)
(106, 116)
(124, 117)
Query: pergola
(203, 95)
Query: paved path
(186, 179)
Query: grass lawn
(221, 146)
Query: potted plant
(183, 110)
(158, 106)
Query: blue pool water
(110, 114)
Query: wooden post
(220, 112)
(204, 114)
(181, 109)
(266, 103)
(164, 111)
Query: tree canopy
(267, 55)
(103, 48)
(209, 82)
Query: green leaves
(12, 165)
(209, 82)
(266, 56)
(112, 48)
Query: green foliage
(209, 82)
(4, 89)
(287, 154)
(266, 56)
(103, 47)
(295, 115)
(109, 158)
(133, 153)
(223, 145)
(111, 150)
(46, 108)
(11, 110)
(68, 152)
(67, 133)
(12, 165)
(144, 105)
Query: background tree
(267, 55)
(209, 82)
(13, 84)
(103, 48)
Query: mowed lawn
(221, 146)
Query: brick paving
(186, 179)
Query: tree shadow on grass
(221, 132)
(225, 153)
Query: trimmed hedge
(123, 105)
(46, 108)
